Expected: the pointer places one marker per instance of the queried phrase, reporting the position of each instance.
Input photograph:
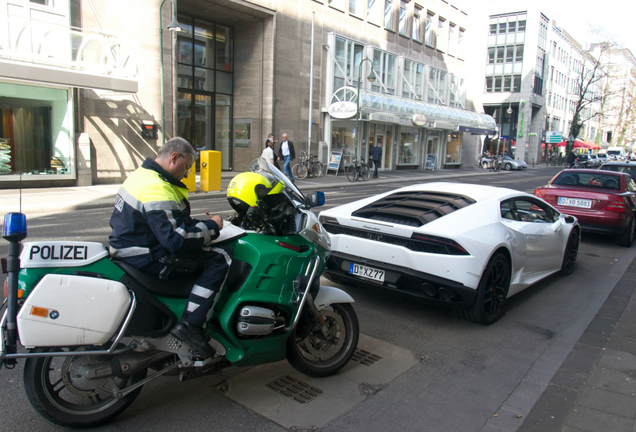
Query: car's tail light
(441, 245)
(618, 205)
(539, 193)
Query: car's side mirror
(568, 219)
(317, 199)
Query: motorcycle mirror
(317, 199)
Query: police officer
(152, 220)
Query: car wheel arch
(505, 251)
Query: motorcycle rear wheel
(317, 355)
(55, 392)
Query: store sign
(342, 110)
(553, 136)
(443, 125)
(419, 119)
(382, 117)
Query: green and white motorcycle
(93, 330)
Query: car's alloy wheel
(570, 253)
(508, 167)
(491, 292)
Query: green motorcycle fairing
(275, 263)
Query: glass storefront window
(34, 130)
(343, 139)
(454, 148)
(408, 149)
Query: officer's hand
(218, 221)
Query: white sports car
(461, 245)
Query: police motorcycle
(96, 330)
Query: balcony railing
(41, 43)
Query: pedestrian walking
(376, 155)
(287, 154)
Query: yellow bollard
(210, 170)
(191, 180)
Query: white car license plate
(574, 202)
(366, 272)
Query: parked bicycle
(358, 169)
(307, 165)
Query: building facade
(90, 88)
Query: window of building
(502, 28)
(416, 24)
(402, 24)
(493, 29)
(442, 38)
(429, 38)
(521, 27)
(512, 26)
(508, 83)
(373, 12)
(457, 92)
(355, 7)
(388, 14)
(437, 86)
(205, 86)
(337, 4)
(454, 148)
(460, 44)
(519, 53)
(348, 57)
(385, 69)
(412, 80)
(491, 55)
(451, 39)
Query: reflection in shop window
(454, 148)
(34, 130)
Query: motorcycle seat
(176, 287)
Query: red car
(602, 201)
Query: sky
(615, 19)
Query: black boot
(193, 336)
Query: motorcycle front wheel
(321, 351)
(60, 393)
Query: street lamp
(173, 26)
(371, 79)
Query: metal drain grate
(294, 389)
(365, 357)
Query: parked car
(602, 201)
(510, 164)
(626, 167)
(594, 161)
(602, 157)
(583, 160)
(457, 245)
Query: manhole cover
(294, 389)
(365, 357)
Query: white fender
(328, 295)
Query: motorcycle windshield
(274, 175)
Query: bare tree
(588, 88)
(623, 131)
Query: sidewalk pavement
(62, 199)
(594, 389)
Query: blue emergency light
(14, 227)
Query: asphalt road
(468, 373)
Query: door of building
(380, 138)
(432, 148)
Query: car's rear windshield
(593, 179)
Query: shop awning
(437, 116)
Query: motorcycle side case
(67, 310)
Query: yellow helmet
(244, 190)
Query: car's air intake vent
(413, 208)
(417, 243)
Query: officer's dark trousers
(214, 265)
